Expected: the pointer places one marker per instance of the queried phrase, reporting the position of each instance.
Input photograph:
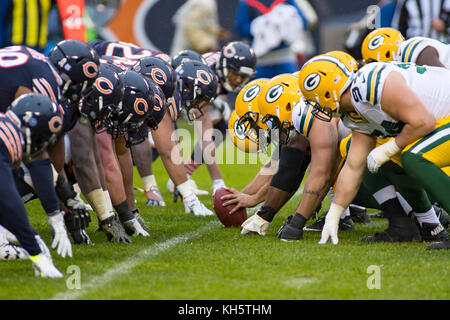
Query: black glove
(77, 219)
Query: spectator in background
(424, 18)
(197, 27)
(24, 22)
(271, 26)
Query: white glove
(77, 203)
(134, 227)
(330, 229)
(60, 239)
(192, 204)
(381, 154)
(43, 267)
(217, 184)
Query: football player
(281, 176)
(65, 76)
(162, 131)
(31, 124)
(397, 102)
(233, 66)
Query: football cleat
(345, 224)
(43, 267)
(255, 225)
(154, 197)
(289, 233)
(358, 214)
(395, 234)
(431, 231)
(443, 216)
(114, 230)
(9, 251)
(441, 245)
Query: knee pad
(291, 169)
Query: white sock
(149, 181)
(428, 217)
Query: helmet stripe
(335, 61)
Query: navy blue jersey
(125, 50)
(11, 140)
(118, 64)
(23, 66)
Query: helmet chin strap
(337, 113)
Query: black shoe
(443, 216)
(345, 224)
(288, 232)
(378, 215)
(431, 231)
(395, 234)
(441, 245)
(359, 215)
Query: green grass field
(189, 257)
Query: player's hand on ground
(330, 231)
(60, 239)
(193, 204)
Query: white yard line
(128, 264)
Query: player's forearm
(347, 185)
(316, 186)
(259, 181)
(414, 131)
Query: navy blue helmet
(77, 64)
(186, 55)
(197, 84)
(105, 99)
(40, 121)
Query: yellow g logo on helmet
(246, 104)
(278, 98)
(323, 79)
(381, 45)
(239, 136)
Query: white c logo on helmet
(251, 93)
(312, 81)
(376, 42)
(274, 93)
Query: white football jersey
(302, 117)
(410, 49)
(430, 84)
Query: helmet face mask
(236, 65)
(136, 106)
(276, 102)
(40, 121)
(197, 85)
(105, 98)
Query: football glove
(114, 230)
(139, 219)
(381, 154)
(193, 204)
(43, 267)
(331, 226)
(60, 239)
(217, 184)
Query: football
(223, 213)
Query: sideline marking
(128, 264)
